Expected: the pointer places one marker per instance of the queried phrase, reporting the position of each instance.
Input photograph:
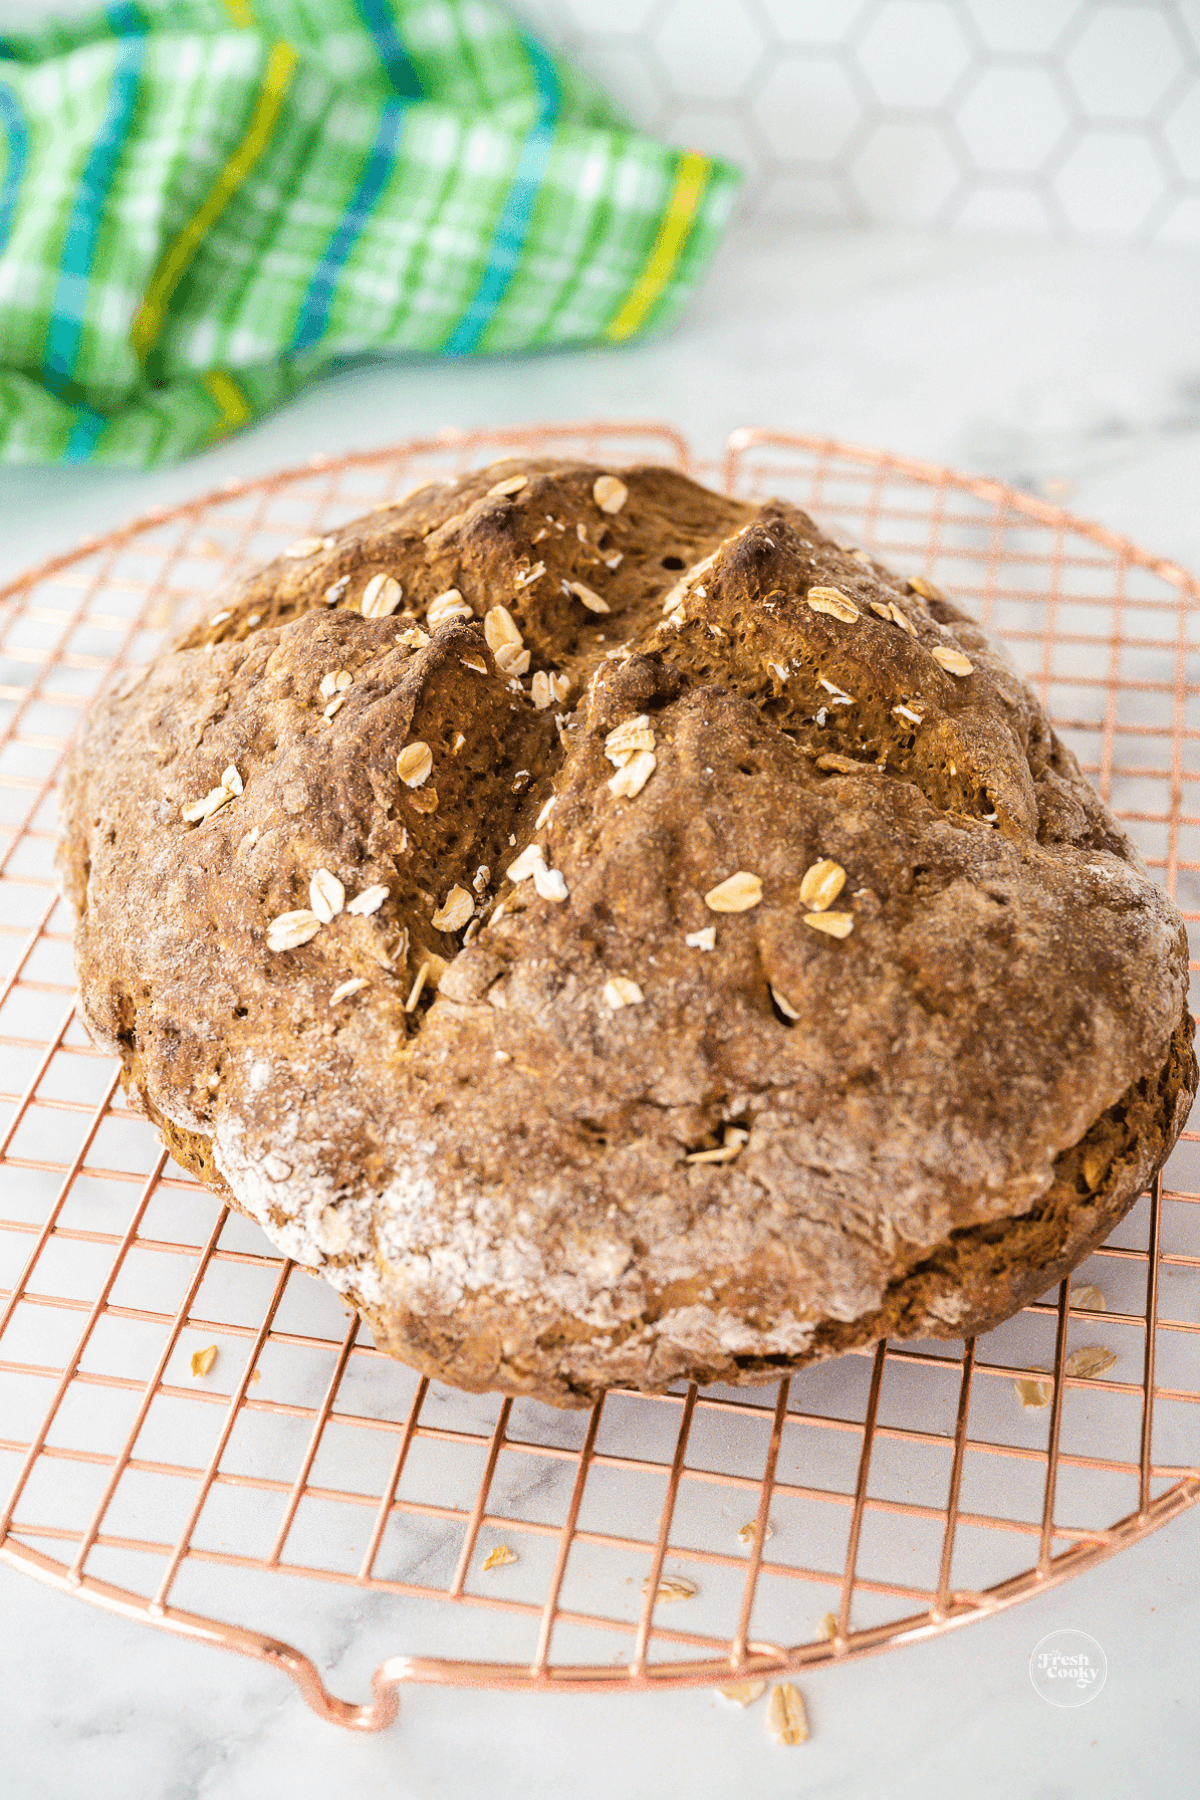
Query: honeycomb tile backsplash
(1062, 117)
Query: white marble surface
(1074, 369)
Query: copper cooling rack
(308, 1488)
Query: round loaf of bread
(619, 936)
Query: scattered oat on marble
(414, 765)
(833, 924)
(702, 940)
(747, 1532)
(609, 493)
(455, 910)
(1089, 1297)
(743, 1693)
(787, 1721)
(632, 777)
(953, 661)
(672, 1587)
(832, 601)
(1033, 1395)
(737, 893)
(828, 1626)
(496, 1559)
(326, 895)
(591, 599)
(291, 929)
(1089, 1360)
(203, 1360)
(355, 985)
(821, 885)
(370, 900)
(620, 991)
(381, 596)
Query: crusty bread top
(497, 1164)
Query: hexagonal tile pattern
(808, 196)
(709, 47)
(1029, 26)
(1124, 62)
(716, 133)
(1064, 116)
(626, 76)
(913, 52)
(905, 172)
(619, 15)
(1003, 206)
(1110, 184)
(1012, 119)
(825, 22)
(1182, 133)
(807, 108)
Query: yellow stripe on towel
(174, 262)
(229, 399)
(691, 179)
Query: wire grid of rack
(688, 1537)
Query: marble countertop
(1071, 370)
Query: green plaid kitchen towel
(206, 203)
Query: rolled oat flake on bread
(981, 1055)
